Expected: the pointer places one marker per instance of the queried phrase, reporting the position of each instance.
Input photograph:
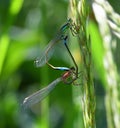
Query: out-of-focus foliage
(25, 28)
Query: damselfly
(48, 52)
(68, 77)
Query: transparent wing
(40, 95)
(47, 52)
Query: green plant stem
(80, 16)
(112, 100)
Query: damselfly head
(69, 20)
(72, 68)
(69, 76)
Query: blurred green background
(25, 29)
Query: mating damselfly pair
(69, 75)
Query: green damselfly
(48, 51)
